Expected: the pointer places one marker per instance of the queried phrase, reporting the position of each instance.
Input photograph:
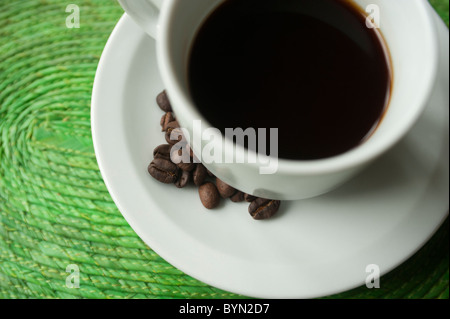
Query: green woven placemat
(55, 210)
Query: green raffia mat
(54, 207)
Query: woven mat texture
(54, 207)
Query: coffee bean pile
(210, 188)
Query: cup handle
(144, 12)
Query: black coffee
(311, 68)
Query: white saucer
(313, 247)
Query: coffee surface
(311, 68)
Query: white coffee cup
(409, 30)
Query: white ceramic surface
(313, 247)
(411, 37)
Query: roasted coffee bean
(183, 179)
(174, 127)
(209, 195)
(199, 174)
(162, 151)
(195, 159)
(165, 120)
(164, 170)
(238, 197)
(176, 134)
(262, 208)
(191, 152)
(188, 167)
(183, 162)
(193, 156)
(210, 174)
(163, 101)
(249, 198)
(225, 190)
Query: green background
(54, 207)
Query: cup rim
(359, 155)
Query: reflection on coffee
(311, 68)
